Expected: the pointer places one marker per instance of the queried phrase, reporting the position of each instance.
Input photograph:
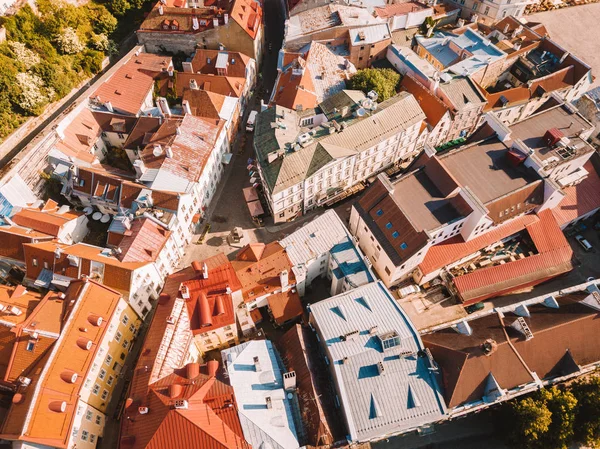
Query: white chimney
(186, 107)
(140, 168)
(193, 84)
(204, 271)
(269, 402)
(256, 364)
(109, 107)
(161, 10)
(215, 22)
(226, 19)
(289, 381)
(163, 105)
(284, 279)
(169, 152)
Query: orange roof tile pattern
(433, 108)
(398, 9)
(228, 86)
(553, 258)
(580, 199)
(293, 89)
(13, 238)
(52, 411)
(131, 84)
(204, 104)
(146, 240)
(456, 248)
(80, 136)
(47, 220)
(205, 61)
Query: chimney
(256, 364)
(284, 279)
(108, 106)
(163, 105)
(506, 27)
(489, 346)
(140, 168)
(193, 84)
(186, 107)
(380, 368)
(216, 22)
(204, 271)
(269, 402)
(169, 151)
(226, 19)
(161, 10)
(289, 381)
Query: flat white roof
(263, 427)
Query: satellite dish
(361, 112)
(157, 151)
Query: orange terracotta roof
(203, 103)
(292, 90)
(13, 238)
(285, 306)
(553, 258)
(433, 108)
(248, 15)
(398, 9)
(80, 136)
(48, 424)
(204, 62)
(46, 221)
(129, 86)
(224, 85)
(456, 248)
(579, 199)
(146, 241)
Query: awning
(226, 158)
(255, 208)
(250, 194)
(196, 218)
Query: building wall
(362, 56)
(88, 420)
(489, 12)
(220, 338)
(231, 36)
(410, 20)
(73, 231)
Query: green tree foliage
(587, 421)
(382, 81)
(47, 53)
(545, 420)
(119, 7)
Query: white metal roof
(263, 427)
(315, 238)
(406, 395)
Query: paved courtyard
(576, 30)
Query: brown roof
(47, 220)
(143, 126)
(292, 90)
(398, 9)
(579, 199)
(191, 140)
(433, 108)
(144, 243)
(204, 104)
(129, 86)
(80, 136)
(204, 61)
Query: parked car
(474, 308)
(251, 120)
(410, 290)
(583, 242)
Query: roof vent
(58, 406)
(18, 398)
(181, 404)
(269, 402)
(256, 364)
(380, 368)
(289, 381)
(95, 320)
(164, 298)
(212, 366)
(24, 381)
(84, 343)
(175, 390)
(185, 291)
(192, 370)
(143, 410)
(520, 325)
(69, 376)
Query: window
(487, 10)
(98, 420)
(84, 435)
(388, 225)
(104, 395)
(395, 234)
(122, 356)
(379, 212)
(110, 380)
(96, 389)
(387, 270)
(132, 328)
(125, 320)
(403, 246)
(92, 438)
(46, 266)
(118, 336)
(102, 374)
(30, 345)
(89, 415)
(34, 262)
(108, 359)
(87, 383)
(362, 47)
(125, 344)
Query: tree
(587, 421)
(68, 41)
(544, 420)
(119, 7)
(103, 22)
(382, 81)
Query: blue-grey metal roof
(405, 395)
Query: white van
(251, 120)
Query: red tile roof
(553, 258)
(398, 9)
(80, 136)
(47, 221)
(224, 85)
(130, 85)
(433, 108)
(13, 238)
(456, 248)
(292, 90)
(580, 199)
(146, 241)
(204, 104)
(204, 61)
(248, 15)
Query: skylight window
(395, 234)
(403, 246)
(389, 340)
(389, 225)
(379, 212)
